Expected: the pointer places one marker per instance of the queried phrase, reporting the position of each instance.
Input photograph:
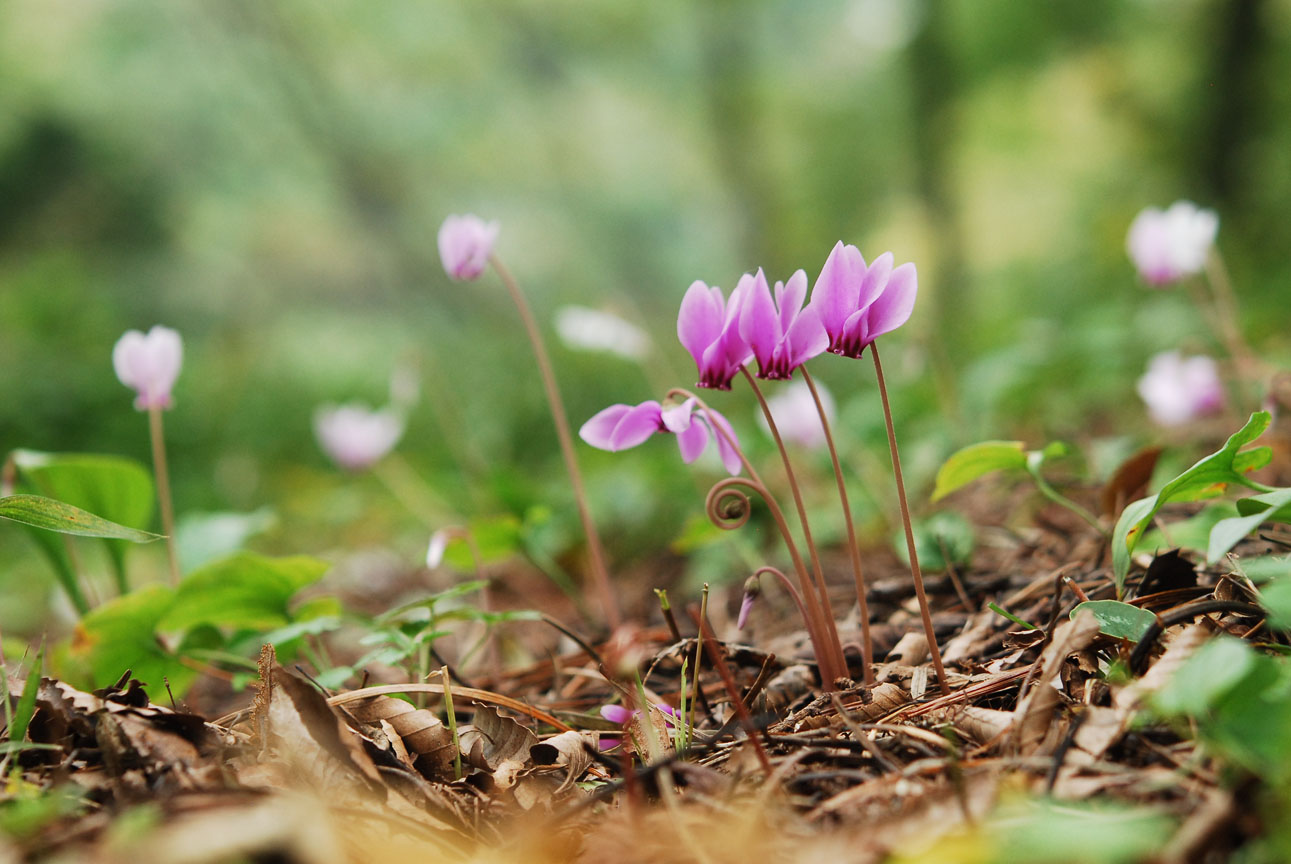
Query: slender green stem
(812, 619)
(1226, 318)
(600, 575)
(452, 723)
(924, 612)
(830, 625)
(1058, 498)
(163, 489)
(863, 609)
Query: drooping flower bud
(752, 588)
(149, 364)
(465, 243)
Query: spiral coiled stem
(727, 505)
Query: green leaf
(976, 460)
(121, 634)
(26, 708)
(1118, 619)
(1045, 831)
(1000, 610)
(50, 515)
(206, 537)
(1257, 509)
(1276, 597)
(1190, 533)
(243, 590)
(1205, 479)
(453, 592)
(115, 488)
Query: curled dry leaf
(1034, 729)
(426, 743)
(493, 739)
(569, 750)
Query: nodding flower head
(1167, 245)
(708, 327)
(857, 303)
(465, 243)
(149, 364)
(1178, 389)
(752, 589)
(619, 427)
(782, 334)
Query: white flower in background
(1178, 389)
(1167, 245)
(585, 329)
(149, 365)
(355, 437)
(795, 414)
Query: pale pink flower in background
(796, 416)
(149, 364)
(355, 437)
(465, 243)
(585, 329)
(1178, 389)
(1167, 245)
(438, 546)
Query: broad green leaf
(1190, 533)
(976, 460)
(245, 590)
(114, 487)
(1276, 597)
(206, 537)
(121, 634)
(1205, 479)
(1045, 831)
(1118, 619)
(1265, 568)
(1257, 509)
(40, 512)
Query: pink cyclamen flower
(1177, 389)
(858, 303)
(795, 414)
(752, 590)
(1167, 245)
(620, 427)
(708, 327)
(355, 437)
(465, 243)
(782, 334)
(149, 364)
(621, 716)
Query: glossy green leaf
(977, 460)
(48, 514)
(243, 590)
(1207, 478)
(1257, 509)
(121, 634)
(1118, 619)
(26, 707)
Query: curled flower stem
(828, 614)
(717, 500)
(786, 583)
(863, 609)
(600, 576)
(163, 489)
(924, 612)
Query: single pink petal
(636, 426)
(837, 287)
(616, 714)
(759, 323)
(699, 322)
(438, 546)
(892, 308)
(875, 280)
(806, 338)
(692, 441)
(727, 449)
(790, 298)
(677, 418)
(598, 430)
(746, 606)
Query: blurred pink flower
(858, 303)
(465, 243)
(620, 427)
(622, 716)
(149, 364)
(1168, 245)
(782, 334)
(1178, 389)
(708, 327)
(355, 437)
(796, 416)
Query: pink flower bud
(149, 364)
(354, 437)
(465, 243)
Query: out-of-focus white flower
(438, 546)
(795, 414)
(1167, 245)
(465, 244)
(1178, 389)
(354, 436)
(585, 329)
(149, 364)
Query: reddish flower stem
(863, 609)
(600, 575)
(924, 612)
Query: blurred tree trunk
(1232, 118)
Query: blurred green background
(268, 178)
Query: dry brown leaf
(1033, 718)
(421, 735)
(493, 739)
(568, 750)
(1129, 480)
